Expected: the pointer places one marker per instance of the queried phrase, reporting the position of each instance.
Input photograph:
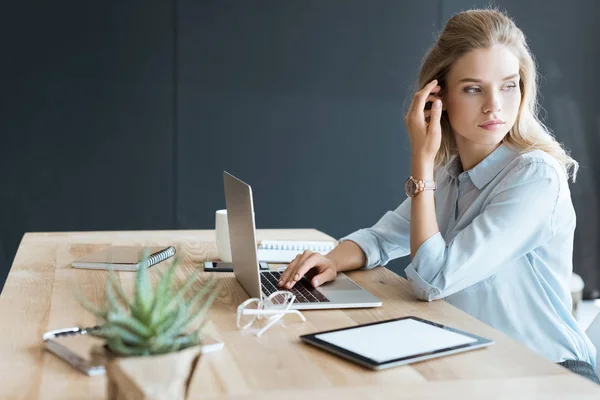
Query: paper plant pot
(159, 377)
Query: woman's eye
(473, 89)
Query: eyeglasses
(273, 308)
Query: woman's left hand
(425, 137)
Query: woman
(488, 222)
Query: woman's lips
(492, 127)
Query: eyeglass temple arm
(273, 312)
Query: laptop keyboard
(303, 290)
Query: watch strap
(422, 185)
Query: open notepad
(285, 251)
(125, 258)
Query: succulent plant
(155, 320)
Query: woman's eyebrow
(479, 80)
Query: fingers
(427, 89)
(429, 101)
(327, 275)
(421, 117)
(417, 114)
(435, 116)
(420, 97)
(309, 263)
(290, 271)
(301, 269)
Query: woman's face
(483, 85)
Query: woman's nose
(492, 104)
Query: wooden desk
(38, 296)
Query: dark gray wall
(124, 116)
(87, 118)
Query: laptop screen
(242, 233)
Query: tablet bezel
(370, 363)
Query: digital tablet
(394, 342)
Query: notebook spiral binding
(158, 257)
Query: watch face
(410, 187)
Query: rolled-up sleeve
(515, 221)
(388, 239)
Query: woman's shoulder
(535, 164)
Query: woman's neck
(471, 154)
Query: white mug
(222, 234)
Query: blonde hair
(483, 28)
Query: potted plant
(149, 350)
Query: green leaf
(206, 288)
(186, 313)
(113, 279)
(131, 324)
(185, 341)
(143, 290)
(117, 346)
(203, 310)
(125, 335)
(99, 313)
(210, 289)
(168, 320)
(171, 319)
(173, 329)
(163, 291)
(180, 295)
(112, 303)
(102, 333)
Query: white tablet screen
(395, 339)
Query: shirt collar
(487, 169)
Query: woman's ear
(442, 95)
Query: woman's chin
(486, 140)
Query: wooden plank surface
(39, 296)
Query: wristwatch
(413, 186)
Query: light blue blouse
(503, 253)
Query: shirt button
(435, 292)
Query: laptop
(341, 293)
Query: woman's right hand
(424, 126)
(322, 270)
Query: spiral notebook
(124, 258)
(285, 251)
